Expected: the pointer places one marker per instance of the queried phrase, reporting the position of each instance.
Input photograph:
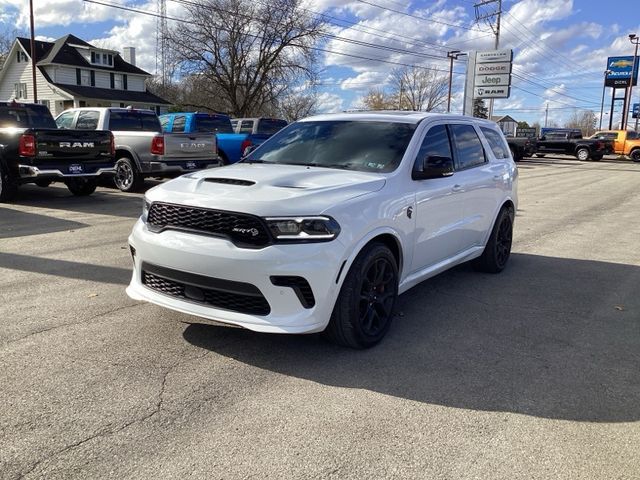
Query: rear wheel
(127, 178)
(8, 186)
(635, 155)
(82, 187)
(498, 249)
(583, 154)
(364, 309)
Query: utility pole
(496, 30)
(400, 93)
(546, 115)
(453, 55)
(161, 42)
(33, 54)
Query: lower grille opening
(299, 285)
(227, 295)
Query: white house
(507, 124)
(72, 73)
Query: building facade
(73, 73)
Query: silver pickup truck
(142, 150)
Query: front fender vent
(230, 181)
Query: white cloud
(329, 103)
(57, 12)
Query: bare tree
(585, 120)
(7, 37)
(419, 89)
(251, 53)
(296, 106)
(378, 99)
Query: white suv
(323, 225)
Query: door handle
(456, 188)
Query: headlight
(145, 209)
(303, 229)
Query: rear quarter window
(134, 121)
(468, 147)
(497, 142)
(270, 126)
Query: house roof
(503, 118)
(62, 52)
(123, 96)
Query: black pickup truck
(520, 147)
(33, 150)
(572, 144)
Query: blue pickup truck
(231, 146)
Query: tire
(540, 155)
(583, 154)
(82, 187)
(514, 156)
(127, 177)
(43, 183)
(363, 312)
(635, 155)
(8, 187)
(498, 249)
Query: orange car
(624, 142)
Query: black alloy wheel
(635, 155)
(363, 311)
(496, 253)
(377, 295)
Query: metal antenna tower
(161, 42)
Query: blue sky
(560, 46)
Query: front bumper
(219, 260)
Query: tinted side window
(435, 143)
(270, 126)
(136, 121)
(246, 126)
(65, 120)
(498, 146)
(469, 151)
(179, 123)
(88, 120)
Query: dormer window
(99, 58)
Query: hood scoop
(231, 181)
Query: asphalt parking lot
(534, 373)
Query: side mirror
(248, 150)
(434, 166)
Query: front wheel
(364, 309)
(127, 178)
(635, 155)
(583, 154)
(498, 248)
(82, 187)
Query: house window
(117, 81)
(85, 77)
(20, 90)
(22, 57)
(105, 60)
(110, 57)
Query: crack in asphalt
(107, 431)
(87, 320)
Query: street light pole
(453, 55)
(606, 74)
(634, 39)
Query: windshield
(26, 116)
(270, 126)
(213, 123)
(352, 145)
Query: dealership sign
(619, 75)
(492, 75)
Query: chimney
(129, 55)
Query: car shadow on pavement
(65, 268)
(549, 337)
(15, 223)
(102, 202)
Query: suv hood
(267, 189)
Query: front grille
(242, 229)
(210, 291)
(230, 181)
(300, 286)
